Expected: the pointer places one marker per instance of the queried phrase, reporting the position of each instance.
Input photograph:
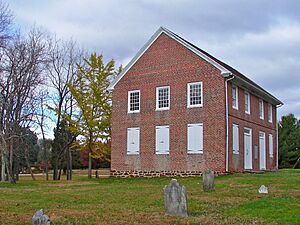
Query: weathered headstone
(263, 190)
(39, 218)
(175, 199)
(208, 180)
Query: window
(235, 100)
(247, 102)
(195, 96)
(271, 145)
(235, 137)
(162, 139)
(133, 141)
(163, 98)
(134, 101)
(195, 138)
(261, 109)
(270, 113)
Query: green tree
(62, 142)
(289, 141)
(93, 122)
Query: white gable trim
(161, 30)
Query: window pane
(234, 97)
(261, 109)
(247, 102)
(163, 97)
(134, 101)
(195, 94)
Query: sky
(259, 38)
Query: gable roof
(225, 69)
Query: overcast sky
(259, 38)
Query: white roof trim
(161, 30)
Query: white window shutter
(133, 140)
(271, 145)
(162, 139)
(195, 138)
(235, 135)
(191, 142)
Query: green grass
(140, 200)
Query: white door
(247, 149)
(262, 151)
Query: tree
(63, 140)
(62, 69)
(289, 141)
(5, 23)
(21, 70)
(93, 122)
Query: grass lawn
(140, 200)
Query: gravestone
(263, 190)
(39, 218)
(208, 180)
(175, 199)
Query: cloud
(261, 38)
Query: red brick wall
(167, 62)
(256, 124)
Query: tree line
(46, 80)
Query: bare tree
(6, 19)
(21, 69)
(62, 69)
(43, 117)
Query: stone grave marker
(208, 180)
(39, 218)
(175, 199)
(263, 190)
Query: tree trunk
(59, 171)
(29, 167)
(55, 171)
(11, 155)
(296, 163)
(90, 167)
(16, 169)
(69, 164)
(47, 171)
(3, 178)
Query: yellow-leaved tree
(92, 121)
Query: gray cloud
(261, 38)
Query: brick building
(177, 110)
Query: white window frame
(131, 151)
(189, 97)
(200, 137)
(261, 109)
(270, 113)
(237, 97)
(128, 104)
(157, 98)
(271, 146)
(162, 151)
(247, 98)
(235, 149)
